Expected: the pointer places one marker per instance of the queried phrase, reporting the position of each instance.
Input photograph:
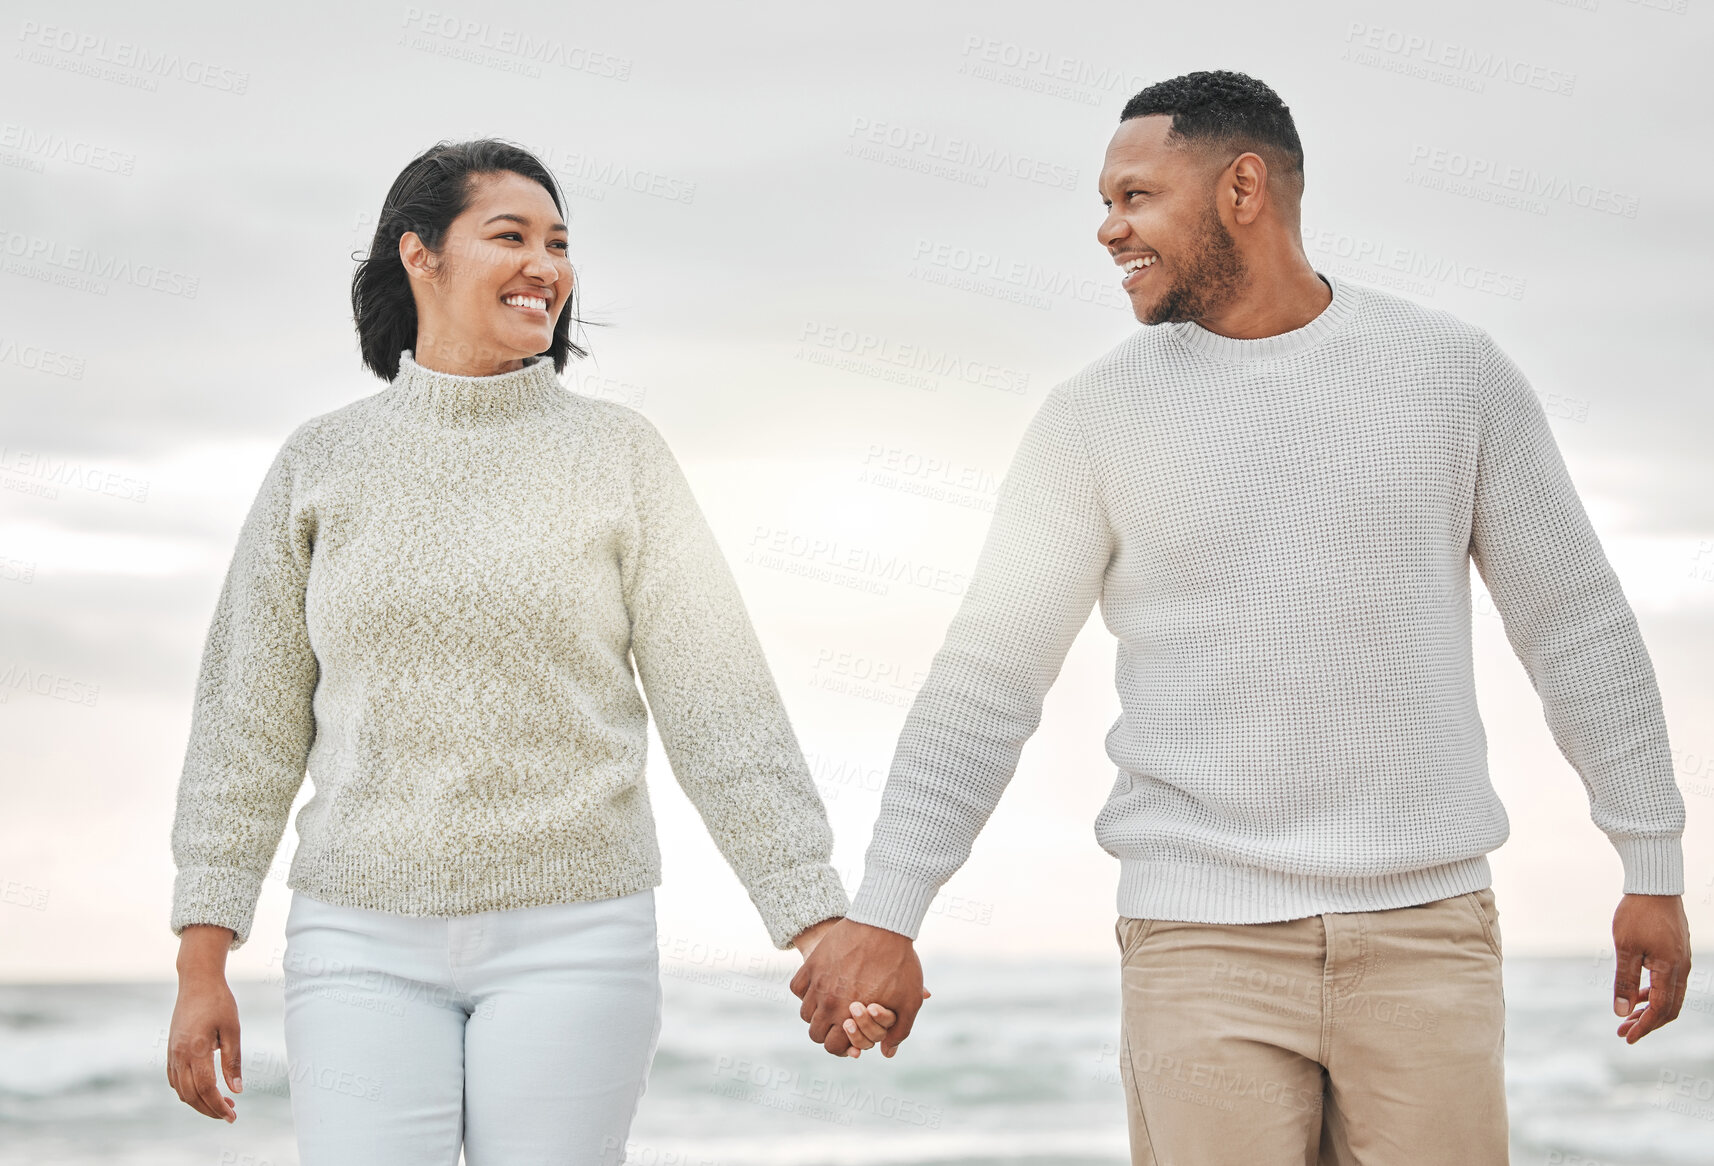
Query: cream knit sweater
(432, 611)
(1279, 532)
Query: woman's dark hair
(426, 196)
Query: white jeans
(526, 1034)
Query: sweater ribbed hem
(1233, 894)
(1343, 306)
(892, 900)
(219, 895)
(427, 887)
(1653, 866)
(797, 899)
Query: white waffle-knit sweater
(432, 611)
(1279, 533)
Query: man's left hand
(1649, 931)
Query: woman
(432, 609)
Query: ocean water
(1011, 1063)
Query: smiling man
(1275, 491)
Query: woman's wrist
(202, 950)
(806, 939)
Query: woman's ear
(417, 259)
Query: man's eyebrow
(1128, 175)
(523, 219)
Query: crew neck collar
(451, 399)
(1332, 318)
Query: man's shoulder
(1382, 313)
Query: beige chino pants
(1368, 1037)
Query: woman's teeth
(523, 301)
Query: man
(1274, 491)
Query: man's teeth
(1142, 261)
(523, 301)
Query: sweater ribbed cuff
(1653, 866)
(220, 895)
(893, 900)
(799, 898)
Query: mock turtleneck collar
(1332, 318)
(451, 399)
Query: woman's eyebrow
(523, 219)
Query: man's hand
(1649, 931)
(854, 961)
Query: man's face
(1161, 209)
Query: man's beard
(1208, 279)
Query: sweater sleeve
(716, 706)
(253, 723)
(1037, 577)
(1567, 619)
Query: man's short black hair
(1221, 112)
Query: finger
(1627, 973)
(800, 981)
(231, 1058)
(865, 1025)
(884, 1016)
(178, 1068)
(901, 1029)
(836, 1041)
(854, 1034)
(1663, 1002)
(185, 1087)
(202, 1077)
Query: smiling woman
(440, 607)
(449, 255)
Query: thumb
(231, 1059)
(1626, 976)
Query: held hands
(1649, 931)
(867, 1024)
(851, 963)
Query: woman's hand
(205, 1018)
(806, 939)
(868, 1025)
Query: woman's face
(492, 296)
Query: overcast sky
(838, 257)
